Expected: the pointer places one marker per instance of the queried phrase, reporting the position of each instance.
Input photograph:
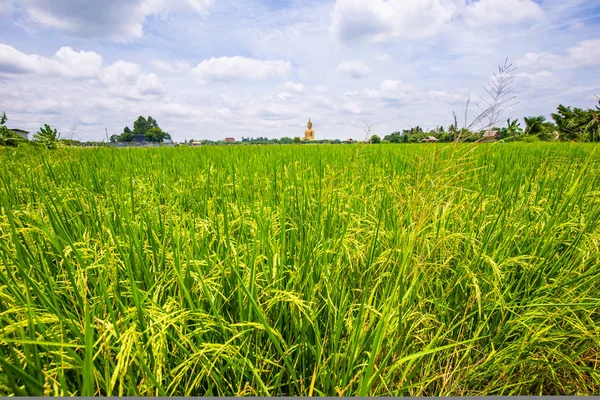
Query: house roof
(18, 130)
(490, 133)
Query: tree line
(569, 124)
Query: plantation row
(301, 270)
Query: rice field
(301, 270)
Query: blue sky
(209, 69)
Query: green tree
(155, 135)
(7, 137)
(512, 131)
(140, 126)
(395, 137)
(534, 125)
(375, 139)
(152, 123)
(577, 124)
(126, 136)
(297, 140)
(47, 137)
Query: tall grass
(301, 270)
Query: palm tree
(534, 125)
(576, 123)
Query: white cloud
(149, 84)
(502, 12)
(385, 19)
(69, 64)
(382, 20)
(321, 101)
(171, 66)
(586, 54)
(121, 72)
(121, 21)
(351, 107)
(66, 63)
(540, 60)
(356, 69)
(383, 57)
(294, 87)
(538, 80)
(232, 68)
(446, 97)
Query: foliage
(140, 126)
(126, 136)
(538, 126)
(375, 139)
(48, 137)
(395, 137)
(577, 124)
(512, 131)
(149, 128)
(7, 137)
(155, 135)
(447, 270)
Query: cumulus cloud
(150, 85)
(355, 69)
(586, 54)
(496, 12)
(538, 80)
(381, 20)
(121, 21)
(70, 64)
(121, 72)
(384, 19)
(66, 63)
(294, 87)
(233, 68)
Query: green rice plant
(301, 270)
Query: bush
(8, 137)
(375, 139)
(530, 139)
(47, 137)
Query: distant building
(139, 138)
(167, 141)
(195, 143)
(230, 140)
(23, 134)
(490, 136)
(430, 139)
